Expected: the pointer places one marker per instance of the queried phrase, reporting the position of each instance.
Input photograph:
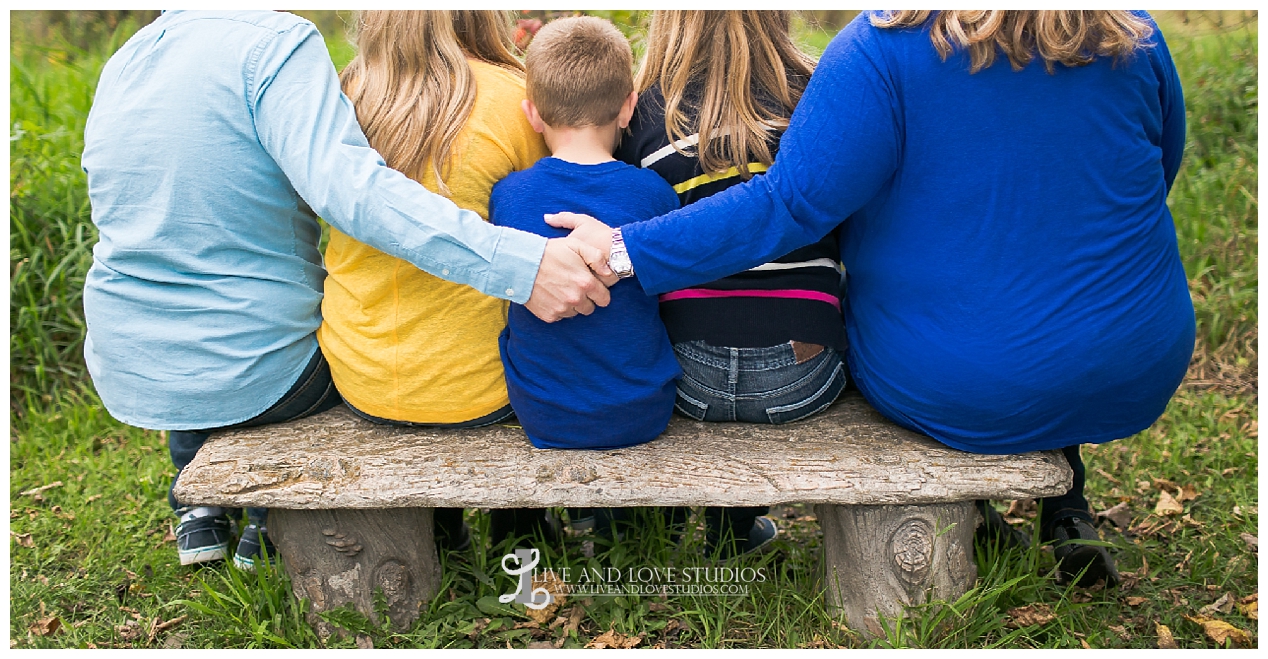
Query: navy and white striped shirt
(793, 298)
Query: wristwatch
(618, 258)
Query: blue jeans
(313, 392)
(753, 385)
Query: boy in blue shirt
(606, 380)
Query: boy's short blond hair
(580, 71)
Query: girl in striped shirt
(716, 89)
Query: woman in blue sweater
(1000, 180)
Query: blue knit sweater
(1014, 279)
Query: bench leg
(339, 556)
(878, 559)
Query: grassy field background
(92, 557)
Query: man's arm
(310, 129)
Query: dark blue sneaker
(254, 547)
(202, 535)
(1088, 563)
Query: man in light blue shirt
(214, 141)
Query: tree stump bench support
(351, 502)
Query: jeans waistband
(754, 359)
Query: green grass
(93, 552)
(94, 563)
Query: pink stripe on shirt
(794, 294)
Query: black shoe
(202, 535)
(995, 531)
(1092, 561)
(606, 523)
(254, 547)
(760, 536)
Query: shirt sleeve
(1171, 97)
(310, 129)
(840, 148)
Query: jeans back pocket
(690, 407)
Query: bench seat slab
(849, 454)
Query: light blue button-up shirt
(214, 141)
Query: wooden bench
(351, 502)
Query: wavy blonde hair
(411, 84)
(1069, 37)
(731, 55)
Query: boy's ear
(627, 110)
(534, 119)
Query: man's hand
(589, 231)
(565, 284)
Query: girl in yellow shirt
(438, 95)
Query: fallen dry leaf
(614, 639)
(46, 626)
(1022, 508)
(35, 491)
(1167, 505)
(128, 630)
(170, 536)
(1188, 519)
(1250, 610)
(556, 587)
(575, 616)
(1121, 631)
(1120, 515)
(1084, 643)
(1165, 640)
(1222, 605)
(1108, 477)
(1182, 565)
(1220, 631)
(1252, 541)
(164, 626)
(1136, 601)
(24, 539)
(1187, 493)
(92, 498)
(1025, 616)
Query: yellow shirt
(408, 346)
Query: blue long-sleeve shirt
(1014, 279)
(214, 141)
(601, 381)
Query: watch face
(619, 261)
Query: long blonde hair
(1069, 37)
(411, 84)
(730, 55)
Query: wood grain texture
(848, 454)
(339, 556)
(879, 559)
